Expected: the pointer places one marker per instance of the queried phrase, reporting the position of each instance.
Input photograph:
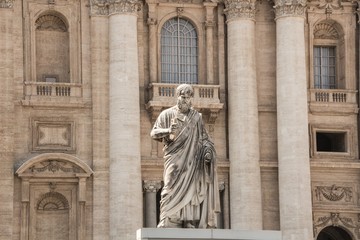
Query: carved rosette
(290, 8)
(240, 9)
(6, 3)
(124, 6)
(99, 8)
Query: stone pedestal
(204, 234)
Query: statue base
(204, 234)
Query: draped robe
(190, 192)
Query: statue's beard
(184, 107)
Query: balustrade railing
(333, 96)
(166, 93)
(52, 89)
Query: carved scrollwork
(334, 219)
(240, 9)
(6, 3)
(124, 6)
(55, 166)
(329, 5)
(285, 8)
(99, 7)
(333, 193)
(325, 31)
(151, 186)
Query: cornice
(6, 3)
(235, 9)
(290, 8)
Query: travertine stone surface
(125, 173)
(243, 122)
(6, 126)
(292, 121)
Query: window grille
(179, 53)
(324, 67)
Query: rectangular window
(324, 67)
(331, 142)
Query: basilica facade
(82, 83)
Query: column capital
(289, 8)
(151, 185)
(6, 3)
(124, 6)
(99, 7)
(240, 9)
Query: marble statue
(190, 196)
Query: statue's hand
(208, 157)
(173, 127)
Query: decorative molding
(50, 22)
(333, 193)
(53, 135)
(6, 3)
(52, 201)
(334, 219)
(151, 186)
(325, 30)
(99, 8)
(124, 6)
(292, 8)
(240, 9)
(329, 5)
(55, 166)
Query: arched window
(328, 56)
(179, 52)
(52, 48)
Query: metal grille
(179, 53)
(324, 67)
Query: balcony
(52, 94)
(206, 99)
(334, 101)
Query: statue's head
(184, 93)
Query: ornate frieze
(6, 3)
(240, 9)
(124, 6)
(333, 193)
(55, 166)
(284, 8)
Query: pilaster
(150, 188)
(245, 199)
(7, 119)
(292, 121)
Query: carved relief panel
(335, 194)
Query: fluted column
(292, 121)
(7, 118)
(125, 170)
(150, 189)
(245, 184)
(100, 109)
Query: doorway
(333, 233)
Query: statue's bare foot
(189, 225)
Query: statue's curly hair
(183, 89)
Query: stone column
(151, 188)
(245, 184)
(209, 25)
(7, 119)
(126, 213)
(292, 121)
(100, 107)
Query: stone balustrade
(166, 93)
(52, 89)
(333, 96)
